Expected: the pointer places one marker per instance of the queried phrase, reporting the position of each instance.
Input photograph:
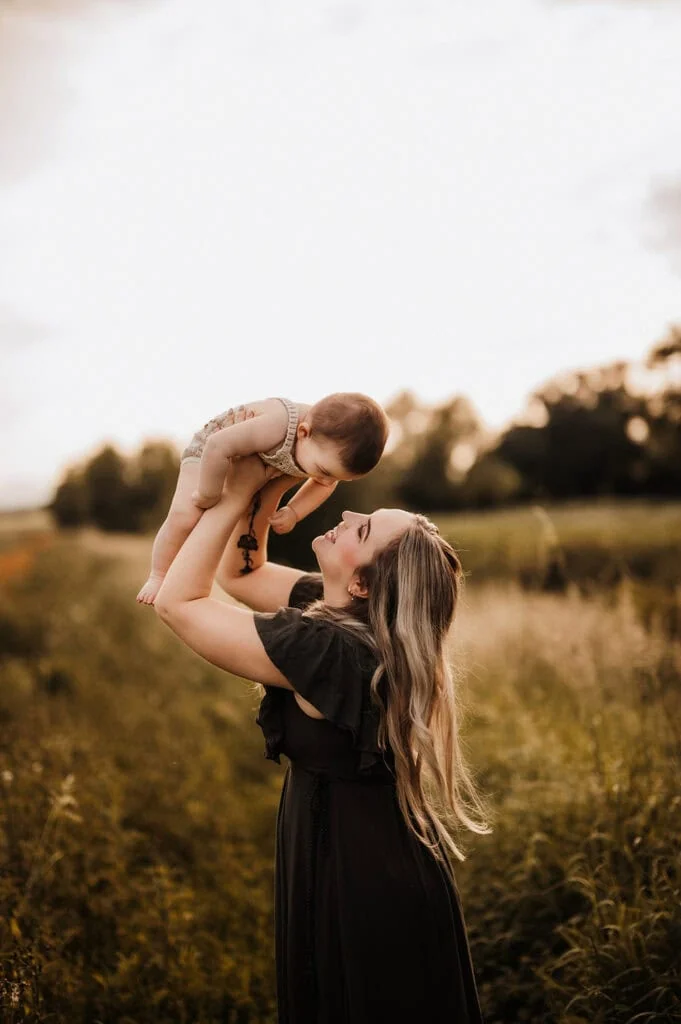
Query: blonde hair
(413, 587)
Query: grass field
(598, 542)
(597, 548)
(137, 811)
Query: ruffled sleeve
(325, 665)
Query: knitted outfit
(282, 458)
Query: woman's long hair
(413, 586)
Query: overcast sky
(209, 201)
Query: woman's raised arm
(244, 572)
(221, 633)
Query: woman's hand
(202, 502)
(245, 481)
(247, 475)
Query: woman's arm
(222, 634)
(259, 434)
(244, 572)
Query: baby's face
(320, 459)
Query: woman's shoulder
(308, 589)
(318, 644)
(327, 664)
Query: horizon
(206, 204)
(637, 382)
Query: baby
(341, 437)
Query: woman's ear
(356, 588)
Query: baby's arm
(259, 434)
(310, 496)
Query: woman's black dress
(368, 927)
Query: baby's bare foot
(147, 594)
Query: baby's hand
(202, 502)
(283, 520)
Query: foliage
(431, 479)
(114, 493)
(610, 430)
(597, 547)
(573, 903)
(137, 811)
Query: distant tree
(70, 504)
(582, 448)
(152, 478)
(489, 482)
(409, 419)
(110, 496)
(614, 429)
(442, 455)
(667, 351)
(662, 445)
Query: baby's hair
(356, 424)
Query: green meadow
(137, 810)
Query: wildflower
(7, 777)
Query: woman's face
(356, 540)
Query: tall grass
(595, 546)
(597, 541)
(137, 811)
(574, 902)
(136, 814)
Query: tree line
(612, 430)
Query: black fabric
(369, 929)
(326, 666)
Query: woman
(358, 695)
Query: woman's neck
(335, 595)
(355, 607)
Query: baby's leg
(182, 517)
